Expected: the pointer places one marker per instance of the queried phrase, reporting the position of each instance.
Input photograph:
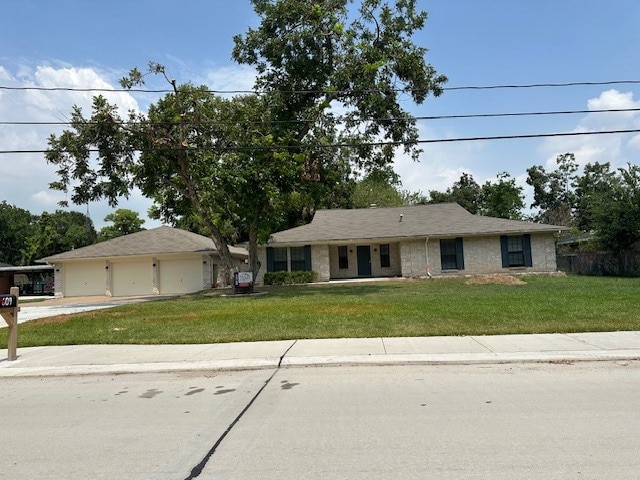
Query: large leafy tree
(553, 192)
(375, 191)
(311, 56)
(502, 199)
(58, 232)
(242, 165)
(316, 58)
(608, 204)
(16, 225)
(465, 191)
(590, 188)
(124, 222)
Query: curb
(12, 370)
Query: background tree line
(598, 200)
(26, 238)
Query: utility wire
(262, 92)
(365, 144)
(391, 119)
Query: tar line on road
(197, 470)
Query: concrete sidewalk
(100, 359)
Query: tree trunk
(253, 249)
(223, 251)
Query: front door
(364, 261)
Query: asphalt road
(540, 421)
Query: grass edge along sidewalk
(413, 308)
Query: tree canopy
(246, 165)
(124, 222)
(466, 192)
(503, 199)
(58, 232)
(553, 191)
(16, 226)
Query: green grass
(545, 304)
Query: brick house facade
(414, 241)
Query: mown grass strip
(544, 304)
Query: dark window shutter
(307, 258)
(269, 259)
(528, 260)
(459, 254)
(504, 247)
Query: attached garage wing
(133, 277)
(85, 278)
(179, 276)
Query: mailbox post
(9, 311)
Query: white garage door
(180, 276)
(132, 278)
(87, 278)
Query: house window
(516, 251)
(515, 246)
(298, 263)
(385, 259)
(451, 254)
(343, 257)
(279, 260)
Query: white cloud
(440, 164)
(79, 78)
(613, 148)
(26, 177)
(236, 78)
(47, 199)
(634, 143)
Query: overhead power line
(391, 119)
(293, 92)
(375, 144)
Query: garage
(86, 278)
(179, 276)
(163, 260)
(133, 277)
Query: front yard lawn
(543, 304)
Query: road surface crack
(197, 470)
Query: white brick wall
(482, 255)
(415, 258)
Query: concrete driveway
(52, 307)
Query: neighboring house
(413, 241)
(159, 261)
(31, 280)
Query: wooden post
(9, 311)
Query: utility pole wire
(294, 92)
(391, 119)
(375, 144)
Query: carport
(31, 280)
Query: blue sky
(79, 43)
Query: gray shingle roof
(418, 221)
(157, 241)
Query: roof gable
(417, 221)
(157, 241)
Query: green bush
(288, 278)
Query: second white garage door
(180, 276)
(132, 278)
